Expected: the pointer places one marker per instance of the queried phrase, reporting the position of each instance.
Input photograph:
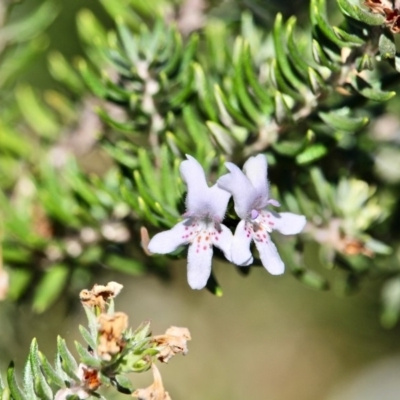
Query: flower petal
(193, 176)
(223, 240)
(255, 169)
(199, 264)
(287, 223)
(202, 200)
(241, 188)
(218, 202)
(270, 257)
(168, 241)
(241, 254)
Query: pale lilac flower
(201, 229)
(250, 193)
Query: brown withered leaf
(155, 391)
(174, 341)
(98, 296)
(111, 339)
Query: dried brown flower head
(111, 339)
(155, 391)
(389, 9)
(174, 341)
(99, 294)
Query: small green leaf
(222, 136)
(29, 380)
(68, 363)
(387, 46)
(86, 357)
(39, 117)
(51, 376)
(126, 265)
(281, 54)
(311, 154)
(89, 339)
(30, 26)
(343, 122)
(62, 71)
(357, 13)
(312, 279)
(298, 59)
(41, 386)
(92, 81)
(123, 384)
(15, 390)
(50, 287)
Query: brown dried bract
(174, 341)
(90, 378)
(111, 339)
(155, 391)
(98, 296)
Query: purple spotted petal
(270, 257)
(223, 240)
(199, 265)
(168, 241)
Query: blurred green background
(266, 338)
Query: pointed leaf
(68, 362)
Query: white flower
(250, 193)
(201, 228)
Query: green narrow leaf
(50, 287)
(311, 154)
(29, 380)
(316, 82)
(234, 113)
(187, 88)
(317, 16)
(173, 60)
(50, 374)
(348, 37)
(92, 81)
(126, 265)
(343, 122)
(123, 384)
(298, 59)
(240, 88)
(42, 388)
(321, 58)
(282, 110)
(68, 363)
(89, 339)
(266, 103)
(281, 54)
(281, 84)
(222, 136)
(62, 71)
(203, 89)
(86, 357)
(354, 11)
(92, 323)
(39, 117)
(15, 390)
(30, 26)
(371, 93)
